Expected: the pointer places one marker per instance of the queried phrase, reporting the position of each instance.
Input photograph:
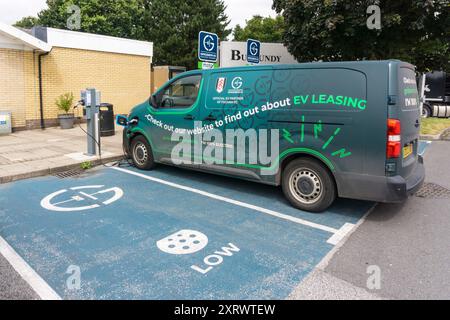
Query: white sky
(238, 10)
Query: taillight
(394, 138)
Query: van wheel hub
(140, 153)
(306, 186)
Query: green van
(344, 129)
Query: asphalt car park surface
(258, 246)
(165, 234)
(408, 242)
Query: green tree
(173, 27)
(119, 18)
(262, 29)
(416, 31)
(27, 22)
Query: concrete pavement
(34, 153)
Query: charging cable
(118, 163)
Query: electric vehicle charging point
(92, 101)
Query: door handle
(417, 124)
(210, 118)
(189, 117)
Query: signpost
(253, 51)
(208, 49)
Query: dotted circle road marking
(183, 242)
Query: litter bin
(107, 128)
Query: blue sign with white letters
(208, 46)
(253, 51)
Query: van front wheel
(308, 185)
(142, 154)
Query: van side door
(231, 101)
(173, 108)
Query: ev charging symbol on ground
(81, 198)
(183, 242)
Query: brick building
(36, 67)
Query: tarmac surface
(406, 244)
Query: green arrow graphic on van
(341, 153)
(287, 135)
(302, 139)
(318, 127)
(331, 138)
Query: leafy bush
(65, 102)
(86, 165)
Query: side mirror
(122, 121)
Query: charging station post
(92, 100)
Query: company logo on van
(220, 86)
(237, 83)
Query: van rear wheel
(308, 185)
(142, 154)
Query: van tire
(142, 154)
(308, 185)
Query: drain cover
(433, 191)
(69, 174)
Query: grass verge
(433, 126)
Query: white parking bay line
(342, 232)
(337, 234)
(425, 148)
(42, 289)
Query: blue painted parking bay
(167, 234)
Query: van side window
(182, 93)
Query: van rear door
(407, 110)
